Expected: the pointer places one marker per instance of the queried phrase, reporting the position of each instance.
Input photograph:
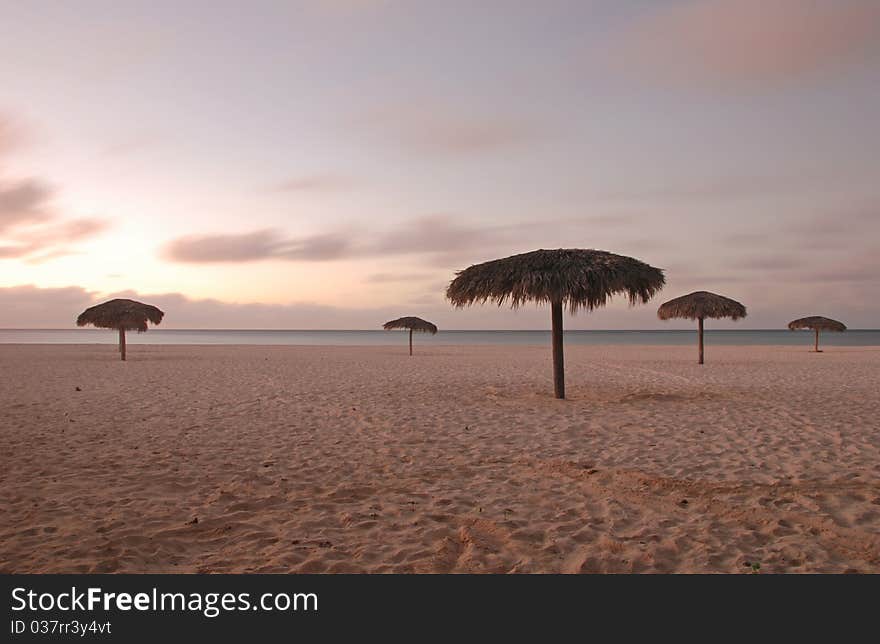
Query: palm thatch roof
(121, 314)
(701, 304)
(817, 322)
(411, 323)
(579, 278)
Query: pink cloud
(750, 42)
(350, 6)
(433, 129)
(23, 202)
(12, 133)
(314, 183)
(29, 306)
(60, 231)
(255, 246)
(445, 240)
(31, 230)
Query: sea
(853, 337)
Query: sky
(333, 163)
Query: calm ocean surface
(858, 337)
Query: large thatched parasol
(413, 324)
(567, 277)
(817, 323)
(124, 315)
(699, 306)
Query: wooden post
(817, 341)
(410, 342)
(122, 343)
(558, 360)
(701, 340)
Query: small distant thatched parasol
(413, 324)
(817, 323)
(567, 277)
(699, 306)
(124, 315)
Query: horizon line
(380, 330)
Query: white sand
(339, 459)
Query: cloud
(315, 183)
(851, 267)
(130, 145)
(6, 133)
(245, 247)
(29, 306)
(435, 130)
(391, 278)
(12, 133)
(705, 280)
(254, 246)
(346, 7)
(767, 262)
(33, 307)
(386, 278)
(725, 188)
(64, 232)
(440, 241)
(441, 238)
(11, 251)
(609, 220)
(837, 245)
(831, 230)
(30, 229)
(841, 221)
(53, 240)
(743, 238)
(23, 202)
(316, 248)
(840, 230)
(431, 234)
(749, 43)
(864, 273)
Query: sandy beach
(362, 459)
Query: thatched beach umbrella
(817, 323)
(413, 324)
(123, 315)
(567, 277)
(699, 306)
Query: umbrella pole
(817, 341)
(122, 343)
(410, 342)
(701, 339)
(558, 360)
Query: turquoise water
(859, 337)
